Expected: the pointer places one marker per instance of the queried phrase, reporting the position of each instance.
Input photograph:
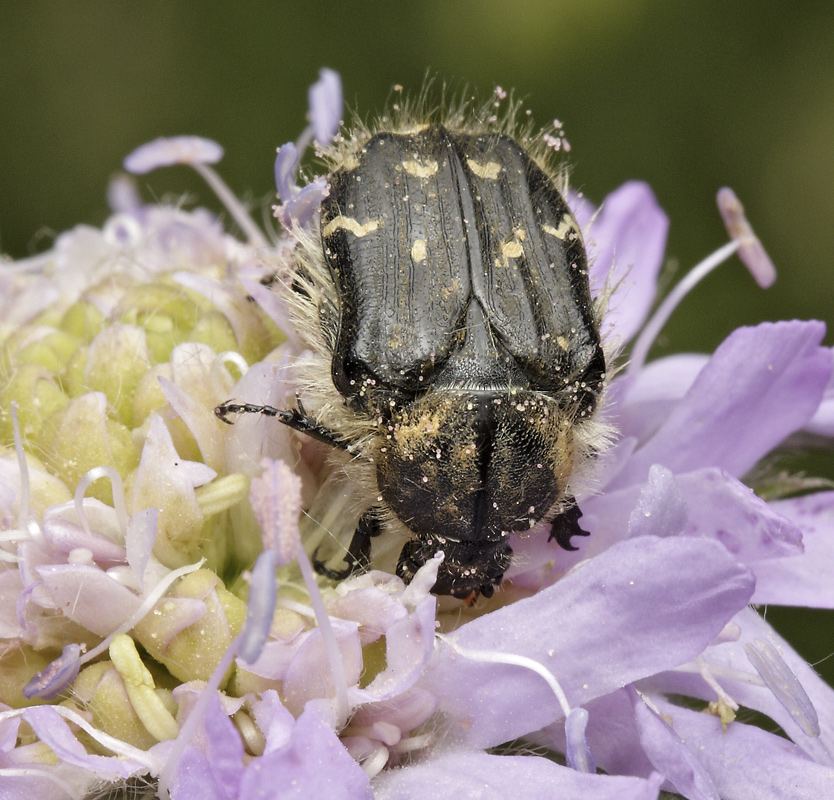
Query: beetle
(445, 295)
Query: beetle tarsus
(565, 526)
(358, 556)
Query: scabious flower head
(161, 624)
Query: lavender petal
(473, 774)
(761, 385)
(568, 629)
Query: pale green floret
(38, 396)
(214, 330)
(192, 652)
(116, 361)
(100, 691)
(80, 437)
(83, 320)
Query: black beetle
(448, 289)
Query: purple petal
(65, 536)
(730, 660)
(53, 680)
(802, 580)
(582, 209)
(167, 151)
(670, 755)
(761, 385)
(409, 644)
(286, 163)
(325, 100)
(643, 406)
(723, 508)
(822, 423)
(53, 731)
(748, 763)
(89, 596)
(706, 503)
(225, 748)
(599, 628)
(194, 778)
(308, 675)
(274, 721)
(313, 764)
(272, 303)
(374, 607)
(661, 509)
(464, 774)
(199, 420)
(253, 436)
(299, 209)
(627, 241)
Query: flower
(161, 624)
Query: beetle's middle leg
(359, 553)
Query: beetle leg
(567, 525)
(358, 554)
(295, 418)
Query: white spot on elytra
(418, 251)
(421, 169)
(350, 224)
(566, 225)
(489, 171)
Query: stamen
(141, 690)
(69, 660)
(260, 607)
(328, 637)
(661, 316)
(275, 497)
(375, 763)
(492, 657)
(324, 99)
(234, 206)
(196, 152)
(750, 251)
(708, 676)
(111, 743)
(304, 140)
(118, 496)
(787, 689)
(578, 753)
(286, 165)
(59, 674)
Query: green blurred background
(688, 96)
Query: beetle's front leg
(296, 418)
